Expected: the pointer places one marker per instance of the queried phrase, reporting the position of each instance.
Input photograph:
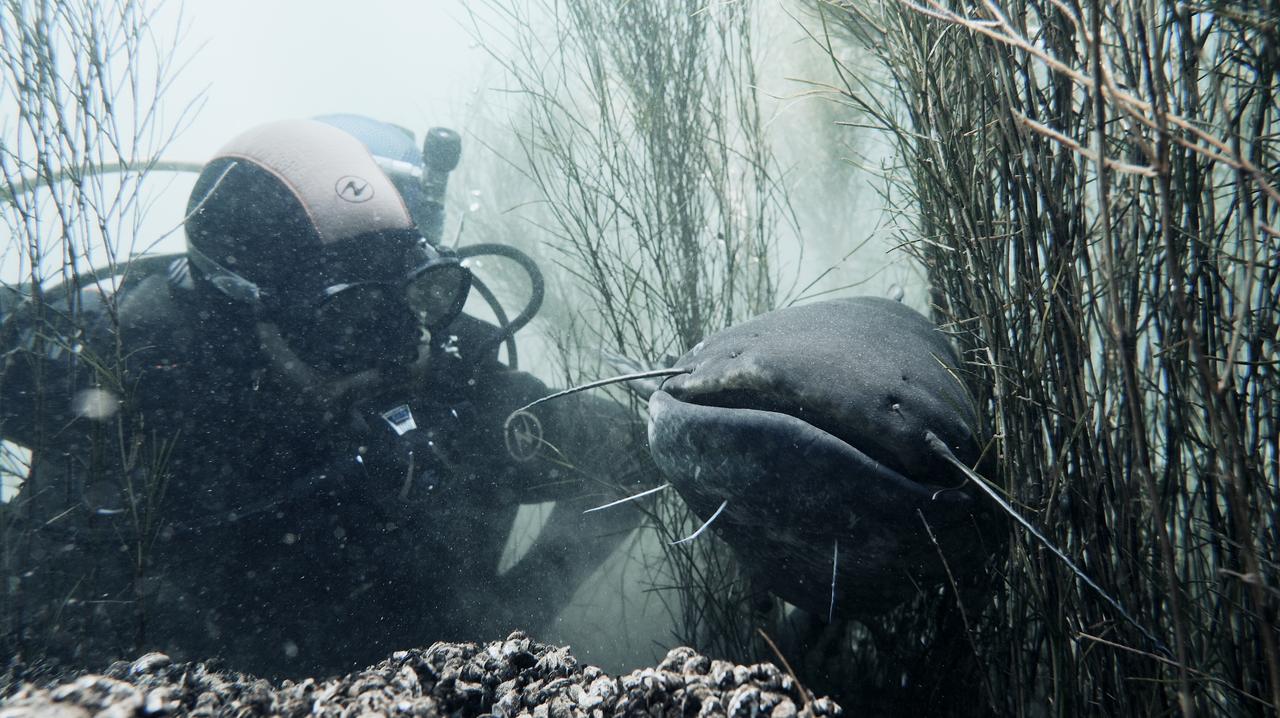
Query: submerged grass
(1092, 189)
(639, 125)
(81, 87)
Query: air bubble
(95, 404)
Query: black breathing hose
(130, 271)
(501, 315)
(537, 291)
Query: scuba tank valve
(441, 150)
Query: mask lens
(354, 306)
(437, 292)
(361, 326)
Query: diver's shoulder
(155, 297)
(159, 308)
(102, 303)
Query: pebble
(505, 679)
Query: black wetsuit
(214, 509)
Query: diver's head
(420, 173)
(295, 220)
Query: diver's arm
(593, 452)
(593, 449)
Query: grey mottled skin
(810, 422)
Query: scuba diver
(289, 447)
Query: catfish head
(811, 435)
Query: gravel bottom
(515, 677)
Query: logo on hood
(354, 189)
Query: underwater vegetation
(1092, 190)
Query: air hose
(537, 291)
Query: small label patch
(401, 419)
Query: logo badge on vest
(523, 435)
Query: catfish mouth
(792, 497)
(813, 412)
(774, 466)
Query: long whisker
(702, 528)
(940, 448)
(630, 498)
(942, 491)
(603, 382)
(835, 561)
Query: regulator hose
(537, 291)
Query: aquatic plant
(640, 126)
(1094, 190)
(81, 91)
